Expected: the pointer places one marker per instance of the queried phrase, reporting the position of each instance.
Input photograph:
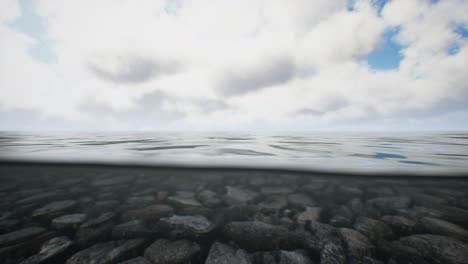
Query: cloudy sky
(233, 65)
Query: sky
(244, 65)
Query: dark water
(173, 198)
(344, 152)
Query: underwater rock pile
(61, 214)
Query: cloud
(129, 69)
(223, 65)
(267, 74)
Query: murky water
(344, 152)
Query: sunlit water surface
(345, 152)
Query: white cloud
(200, 64)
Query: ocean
(234, 198)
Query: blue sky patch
(462, 31)
(32, 25)
(388, 55)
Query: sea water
(234, 198)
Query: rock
(163, 251)
(310, 214)
(132, 229)
(225, 254)
(182, 201)
(151, 213)
(54, 209)
(342, 217)
(239, 212)
(178, 226)
(285, 257)
(441, 227)
(400, 225)
(95, 230)
(325, 233)
(110, 181)
(433, 249)
(102, 219)
(426, 199)
(103, 206)
(332, 254)
(260, 236)
(366, 260)
(40, 198)
(86, 236)
(55, 250)
(357, 244)
(137, 260)
(275, 190)
(390, 204)
(20, 235)
(380, 191)
(235, 195)
(300, 200)
(273, 203)
(139, 201)
(9, 225)
(340, 221)
(26, 247)
(373, 229)
(68, 222)
(206, 212)
(6, 215)
(209, 198)
(109, 252)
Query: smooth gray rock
(40, 198)
(110, 181)
(310, 214)
(442, 227)
(209, 198)
(275, 190)
(178, 226)
(401, 225)
(182, 201)
(133, 229)
(285, 257)
(163, 251)
(102, 219)
(225, 254)
(300, 200)
(390, 204)
(55, 250)
(373, 229)
(261, 236)
(54, 209)
(236, 195)
(109, 252)
(358, 246)
(151, 213)
(68, 222)
(88, 236)
(137, 260)
(273, 203)
(9, 225)
(20, 235)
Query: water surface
(343, 152)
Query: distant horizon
(204, 66)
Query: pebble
(109, 252)
(164, 251)
(224, 254)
